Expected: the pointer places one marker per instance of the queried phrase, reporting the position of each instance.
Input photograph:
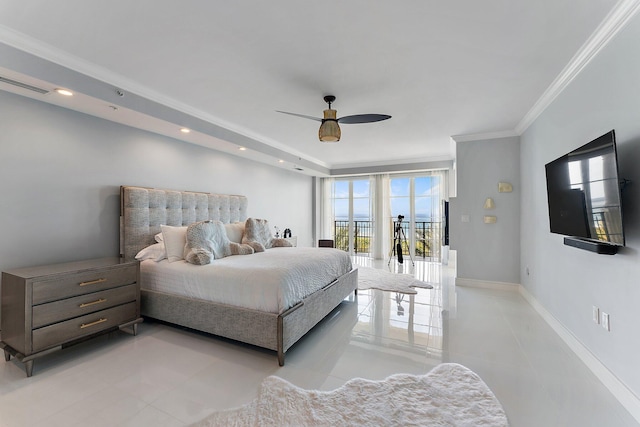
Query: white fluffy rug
(372, 278)
(449, 395)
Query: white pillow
(155, 252)
(235, 231)
(174, 240)
(158, 237)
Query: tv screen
(583, 191)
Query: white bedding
(271, 281)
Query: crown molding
(399, 161)
(392, 168)
(615, 21)
(484, 136)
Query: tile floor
(167, 376)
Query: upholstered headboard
(143, 210)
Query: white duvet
(271, 281)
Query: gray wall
(60, 173)
(486, 252)
(569, 281)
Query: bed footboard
(245, 325)
(297, 321)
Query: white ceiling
(440, 68)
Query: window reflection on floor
(410, 323)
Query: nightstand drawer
(81, 283)
(59, 333)
(45, 314)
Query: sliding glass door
(362, 214)
(417, 214)
(353, 220)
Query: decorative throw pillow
(207, 240)
(235, 230)
(174, 240)
(258, 235)
(155, 252)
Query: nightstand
(325, 243)
(47, 308)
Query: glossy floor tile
(168, 376)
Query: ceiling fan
(329, 129)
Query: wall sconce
(488, 203)
(504, 187)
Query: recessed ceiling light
(242, 149)
(64, 92)
(185, 130)
(280, 161)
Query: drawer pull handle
(88, 304)
(93, 282)
(86, 325)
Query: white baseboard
(620, 391)
(484, 284)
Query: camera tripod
(398, 238)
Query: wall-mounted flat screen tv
(583, 191)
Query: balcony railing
(362, 236)
(427, 237)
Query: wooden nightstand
(50, 307)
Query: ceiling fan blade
(363, 118)
(317, 119)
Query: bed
(274, 321)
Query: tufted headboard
(143, 210)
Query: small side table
(325, 243)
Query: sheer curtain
(437, 209)
(326, 208)
(381, 212)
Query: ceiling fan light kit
(329, 129)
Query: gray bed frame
(143, 210)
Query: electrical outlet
(605, 321)
(596, 315)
